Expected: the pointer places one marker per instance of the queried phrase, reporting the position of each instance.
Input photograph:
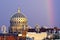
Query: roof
(18, 15)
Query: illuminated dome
(19, 17)
(18, 21)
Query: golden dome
(18, 22)
(19, 17)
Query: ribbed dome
(20, 15)
(17, 22)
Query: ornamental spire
(19, 10)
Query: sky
(42, 12)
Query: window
(30, 38)
(19, 21)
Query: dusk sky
(42, 12)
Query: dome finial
(19, 10)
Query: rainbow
(50, 12)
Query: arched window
(19, 21)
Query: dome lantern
(19, 10)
